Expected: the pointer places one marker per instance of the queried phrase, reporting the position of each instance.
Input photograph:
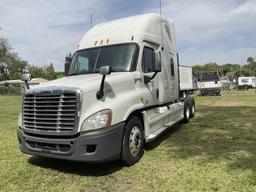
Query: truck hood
(88, 82)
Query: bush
(10, 90)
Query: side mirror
(67, 64)
(105, 70)
(158, 66)
(25, 77)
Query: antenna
(91, 20)
(161, 20)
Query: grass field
(216, 151)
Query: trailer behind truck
(187, 81)
(121, 91)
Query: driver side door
(147, 67)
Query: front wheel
(133, 140)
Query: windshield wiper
(73, 74)
(82, 73)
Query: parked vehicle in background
(195, 83)
(186, 80)
(246, 82)
(225, 83)
(121, 90)
(209, 84)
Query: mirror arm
(147, 79)
(100, 93)
(27, 85)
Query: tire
(184, 94)
(133, 140)
(186, 111)
(192, 107)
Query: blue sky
(44, 31)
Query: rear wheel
(186, 111)
(184, 94)
(192, 107)
(133, 140)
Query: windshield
(210, 77)
(122, 58)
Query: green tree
(59, 74)
(11, 64)
(246, 70)
(250, 60)
(211, 67)
(252, 64)
(197, 70)
(46, 72)
(36, 71)
(50, 73)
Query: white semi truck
(121, 90)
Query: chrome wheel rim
(193, 109)
(135, 141)
(187, 113)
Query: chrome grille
(50, 112)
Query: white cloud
(214, 30)
(248, 7)
(217, 30)
(44, 31)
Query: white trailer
(121, 90)
(246, 82)
(186, 80)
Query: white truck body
(70, 118)
(186, 80)
(246, 82)
(210, 84)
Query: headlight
(98, 120)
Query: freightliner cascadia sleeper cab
(120, 91)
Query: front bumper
(95, 146)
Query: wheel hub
(135, 141)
